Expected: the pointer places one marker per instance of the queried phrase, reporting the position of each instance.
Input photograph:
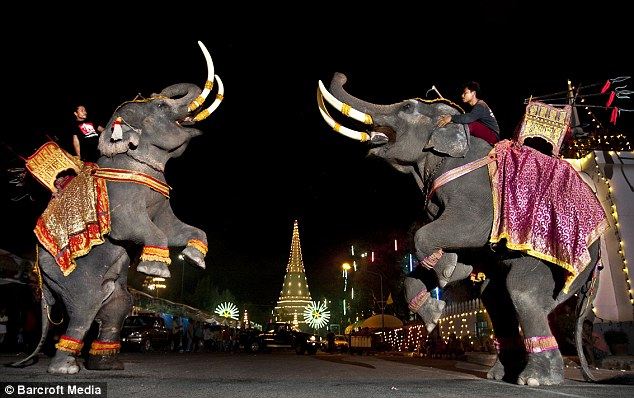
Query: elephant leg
(180, 234)
(457, 230)
(133, 223)
(104, 351)
(511, 357)
(531, 287)
(81, 312)
(420, 301)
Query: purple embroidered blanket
(543, 207)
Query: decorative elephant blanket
(543, 208)
(75, 220)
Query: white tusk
(344, 108)
(209, 84)
(219, 97)
(355, 135)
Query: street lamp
(346, 267)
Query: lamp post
(182, 258)
(346, 267)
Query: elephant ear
(451, 140)
(118, 137)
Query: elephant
(141, 136)
(521, 290)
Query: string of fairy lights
(617, 226)
(460, 325)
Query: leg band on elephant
(64, 361)
(420, 301)
(154, 261)
(195, 251)
(545, 364)
(446, 266)
(103, 356)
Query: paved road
(288, 375)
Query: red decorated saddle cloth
(76, 219)
(543, 207)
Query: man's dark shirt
(480, 112)
(88, 136)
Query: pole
(382, 310)
(182, 278)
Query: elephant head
(408, 127)
(155, 129)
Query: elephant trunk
(187, 92)
(336, 89)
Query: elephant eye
(406, 107)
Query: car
(341, 343)
(284, 335)
(248, 340)
(144, 332)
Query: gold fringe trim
(104, 348)
(154, 253)
(69, 345)
(198, 245)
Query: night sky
(267, 157)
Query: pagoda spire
(295, 295)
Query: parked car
(248, 340)
(341, 343)
(283, 335)
(144, 332)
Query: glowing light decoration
(316, 314)
(227, 310)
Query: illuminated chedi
(295, 295)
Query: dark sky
(267, 157)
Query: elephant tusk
(219, 97)
(209, 84)
(344, 108)
(355, 135)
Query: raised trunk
(188, 92)
(336, 89)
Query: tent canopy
(374, 322)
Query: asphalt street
(284, 374)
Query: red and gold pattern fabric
(75, 220)
(69, 344)
(121, 175)
(543, 208)
(99, 347)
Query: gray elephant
(522, 290)
(141, 136)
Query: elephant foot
(448, 269)
(194, 256)
(543, 369)
(63, 363)
(420, 301)
(103, 362)
(154, 268)
(497, 371)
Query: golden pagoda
(294, 296)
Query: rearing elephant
(522, 290)
(141, 136)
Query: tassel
(614, 115)
(606, 87)
(117, 132)
(610, 99)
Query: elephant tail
(46, 303)
(586, 297)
